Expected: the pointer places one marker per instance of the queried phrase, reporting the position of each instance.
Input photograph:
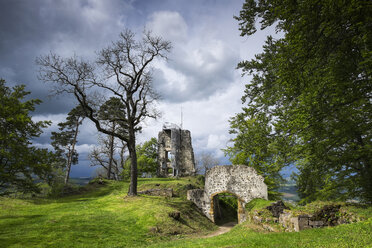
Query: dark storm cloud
(199, 75)
(32, 28)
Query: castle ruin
(239, 180)
(175, 152)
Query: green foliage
(147, 157)
(113, 111)
(255, 146)
(21, 163)
(65, 140)
(310, 96)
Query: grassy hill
(102, 216)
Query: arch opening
(225, 208)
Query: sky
(199, 78)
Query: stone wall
(175, 152)
(329, 215)
(187, 154)
(239, 180)
(201, 200)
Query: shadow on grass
(21, 216)
(189, 211)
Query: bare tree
(110, 156)
(205, 161)
(124, 66)
(108, 112)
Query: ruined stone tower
(176, 156)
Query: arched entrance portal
(225, 207)
(238, 180)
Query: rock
(277, 208)
(329, 214)
(257, 219)
(268, 228)
(316, 223)
(303, 222)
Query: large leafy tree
(121, 70)
(147, 157)
(313, 90)
(255, 146)
(21, 163)
(65, 140)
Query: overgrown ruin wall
(239, 180)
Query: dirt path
(221, 229)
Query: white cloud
(207, 119)
(169, 24)
(84, 148)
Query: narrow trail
(221, 229)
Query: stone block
(295, 225)
(316, 223)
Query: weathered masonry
(175, 152)
(239, 180)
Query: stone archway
(239, 180)
(240, 210)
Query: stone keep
(175, 152)
(239, 180)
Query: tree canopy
(147, 157)
(310, 95)
(65, 140)
(21, 163)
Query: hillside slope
(101, 217)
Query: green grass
(102, 216)
(352, 235)
(257, 204)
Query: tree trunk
(111, 152)
(68, 166)
(133, 168)
(71, 153)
